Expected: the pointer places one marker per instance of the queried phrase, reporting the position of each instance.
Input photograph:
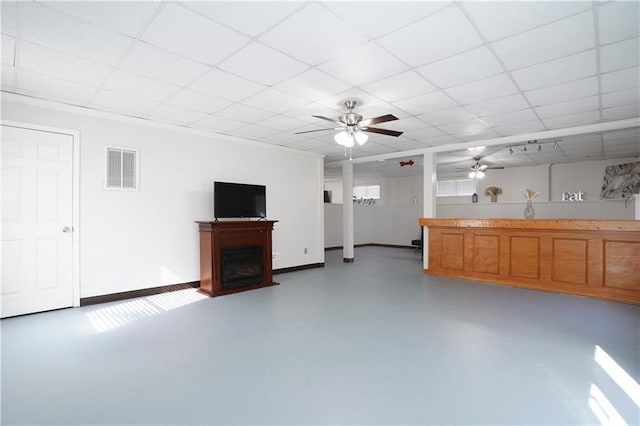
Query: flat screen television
(235, 200)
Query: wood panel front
(603, 263)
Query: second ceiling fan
(352, 126)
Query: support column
(347, 212)
(429, 197)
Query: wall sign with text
(572, 196)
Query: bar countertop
(539, 224)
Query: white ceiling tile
(477, 134)
(249, 17)
(139, 86)
(47, 27)
(53, 88)
(153, 62)
(408, 145)
(440, 140)
(399, 86)
(620, 55)
(618, 20)
(379, 18)
(558, 71)
(305, 113)
(189, 34)
(225, 85)
(590, 103)
(198, 102)
(176, 115)
(520, 128)
(622, 79)
(563, 92)
(244, 113)
(8, 50)
(498, 105)
(319, 35)
(472, 65)
(620, 112)
(423, 134)
(426, 103)
(447, 116)
(312, 85)
(262, 64)
(541, 44)
(254, 131)
(364, 101)
(8, 77)
(626, 134)
(501, 19)
(622, 97)
(572, 120)
(492, 87)
(219, 124)
(121, 104)
(402, 124)
(49, 62)
(305, 144)
(9, 17)
(274, 101)
(282, 123)
(451, 29)
(362, 65)
(510, 118)
(468, 127)
(126, 17)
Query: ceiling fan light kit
(353, 127)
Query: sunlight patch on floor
(115, 316)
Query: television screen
(239, 200)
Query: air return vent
(121, 169)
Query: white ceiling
(451, 72)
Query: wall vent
(121, 169)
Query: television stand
(235, 256)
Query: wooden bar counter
(596, 258)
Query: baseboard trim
(372, 245)
(114, 297)
(298, 268)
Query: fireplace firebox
(235, 256)
(241, 266)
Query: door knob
(66, 229)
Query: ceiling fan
(352, 126)
(477, 170)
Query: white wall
(550, 181)
(147, 238)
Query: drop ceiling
(451, 72)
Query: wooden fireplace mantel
(597, 258)
(215, 236)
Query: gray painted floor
(374, 342)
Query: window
(121, 169)
(452, 188)
(371, 192)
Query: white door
(36, 211)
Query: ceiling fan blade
(376, 120)
(381, 131)
(332, 120)
(495, 167)
(311, 131)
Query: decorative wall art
(621, 181)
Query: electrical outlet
(305, 250)
(275, 255)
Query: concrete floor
(374, 342)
